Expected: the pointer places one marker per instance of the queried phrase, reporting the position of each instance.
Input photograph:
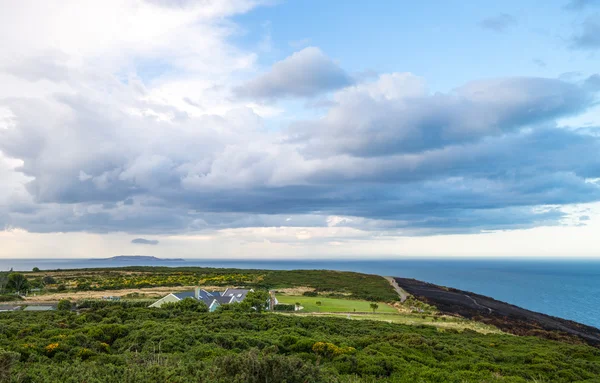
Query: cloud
(389, 157)
(143, 241)
(396, 114)
(91, 142)
(576, 5)
(498, 23)
(593, 82)
(540, 63)
(588, 38)
(306, 73)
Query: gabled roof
(224, 299)
(185, 294)
(203, 294)
(239, 294)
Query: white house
(212, 299)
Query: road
(401, 293)
(477, 304)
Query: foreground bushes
(117, 344)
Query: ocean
(566, 289)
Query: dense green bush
(119, 344)
(284, 307)
(64, 305)
(7, 361)
(186, 305)
(10, 298)
(98, 304)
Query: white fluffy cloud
(134, 124)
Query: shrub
(310, 294)
(256, 367)
(64, 305)
(187, 305)
(10, 298)
(284, 307)
(330, 350)
(7, 360)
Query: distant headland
(138, 258)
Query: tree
(258, 300)
(187, 305)
(374, 306)
(64, 305)
(36, 270)
(4, 280)
(17, 282)
(48, 280)
(319, 303)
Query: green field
(333, 305)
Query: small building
(212, 299)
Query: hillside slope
(507, 317)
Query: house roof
(224, 299)
(208, 297)
(185, 294)
(239, 294)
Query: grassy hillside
(356, 285)
(115, 344)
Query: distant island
(136, 258)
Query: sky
(299, 129)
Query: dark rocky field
(507, 317)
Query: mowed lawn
(333, 305)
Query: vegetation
(10, 298)
(284, 307)
(17, 283)
(117, 344)
(311, 304)
(323, 282)
(187, 305)
(64, 305)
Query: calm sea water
(567, 289)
